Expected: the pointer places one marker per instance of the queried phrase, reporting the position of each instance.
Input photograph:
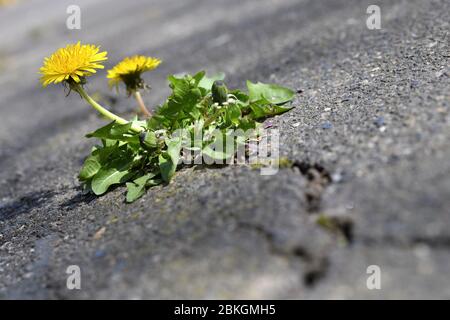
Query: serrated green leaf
(90, 167)
(136, 189)
(98, 157)
(168, 160)
(116, 132)
(115, 172)
(198, 77)
(262, 109)
(273, 93)
(232, 115)
(184, 98)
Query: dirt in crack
(318, 180)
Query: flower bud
(219, 92)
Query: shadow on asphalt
(79, 198)
(25, 204)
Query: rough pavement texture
(372, 115)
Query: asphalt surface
(370, 139)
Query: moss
(282, 163)
(285, 163)
(113, 220)
(257, 165)
(342, 226)
(326, 222)
(136, 216)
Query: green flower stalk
(108, 114)
(141, 103)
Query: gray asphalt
(372, 115)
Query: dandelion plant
(200, 114)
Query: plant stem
(211, 118)
(141, 104)
(108, 114)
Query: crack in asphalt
(316, 267)
(318, 179)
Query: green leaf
(115, 131)
(137, 188)
(259, 109)
(148, 140)
(168, 160)
(166, 166)
(90, 167)
(98, 157)
(207, 82)
(223, 147)
(184, 98)
(273, 93)
(246, 124)
(103, 131)
(199, 76)
(262, 109)
(153, 182)
(115, 172)
(241, 96)
(232, 114)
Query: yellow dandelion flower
(129, 71)
(72, 64)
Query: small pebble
(379, 121)
(99, 253)
(327, 125)
(99, 233)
